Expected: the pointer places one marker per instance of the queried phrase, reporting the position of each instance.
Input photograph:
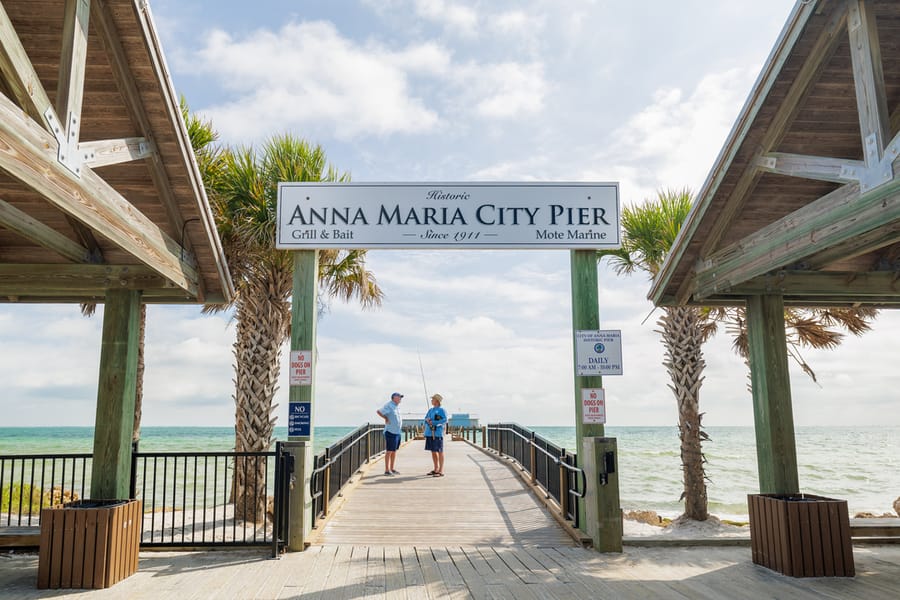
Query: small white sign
(598, 352)
(593, 406)
(301, 367)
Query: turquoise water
(859, 464)
(53, 440)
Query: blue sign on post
(299, 420)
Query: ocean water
(53, 440)
(858, 464)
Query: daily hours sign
(598, 352)
(448, 215)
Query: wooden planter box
(89, 543)
(801, 535)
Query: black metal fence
(334, 467)
(550, 466)
(29, 482)
(189, 498)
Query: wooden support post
(776, 452)
(303, 338)
(114, 422)
(484, 436)
(586, 316)
(603, 517)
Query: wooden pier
(479, 532)
(480, 501)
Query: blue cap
(396, 394)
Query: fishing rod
(425, 387)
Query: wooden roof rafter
(36, 146)
(27, 153)
(846, 230)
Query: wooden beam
(195, 179)
(77, 281)
(838, 170)
(776, 450)
(110, 152)
(70, 93)
(831, 220)
(27, 154)
(31, 229)
(115, 52)
(148, 296)
(823, 49)
(857, 245)
(109, 36)
(830, 284)
(21, 77)
(868, 79)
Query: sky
(641, 93)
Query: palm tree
(649, 230)
(243, 197)
(805, 328)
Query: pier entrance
(579, 217)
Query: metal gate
(191, 499)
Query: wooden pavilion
(101, 200)
(802, 206)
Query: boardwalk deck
(524, 557)
(480, 502)
(453, 571)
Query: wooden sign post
(302, 391)
(605, 512)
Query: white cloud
(307, 76)
(517, 22)
(454, 16)
(508, 90)
(674, 140)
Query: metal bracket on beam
(67, 153)
(883, 171)
(766, 162)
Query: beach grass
(20, 499)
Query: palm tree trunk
(139, 388)
(682, 338)
(263, 319)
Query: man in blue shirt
(390, 412)
(435, 425)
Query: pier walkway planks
(520, 553)
(481, 501)
(420, 573)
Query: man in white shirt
(390, 412)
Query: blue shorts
(391, 441)
(435, 444)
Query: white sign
(301, 367)
(448, 215)
(598, 352)
(593, 406)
